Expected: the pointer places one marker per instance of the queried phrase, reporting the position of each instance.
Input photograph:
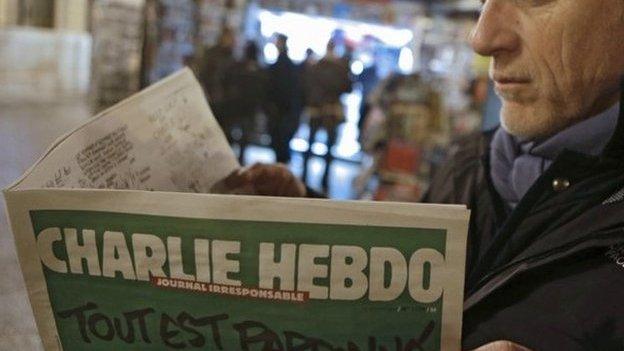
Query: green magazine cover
(127, 270)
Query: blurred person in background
(285, 101)
(217, 62)
(544, 264)
(245, 90)
(309, 61)
(368, 79)
(305, 68)
(166, 56)
(325, 83)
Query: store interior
(415, 84)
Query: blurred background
(360, 98)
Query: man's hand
(502, 346)
(268, 180)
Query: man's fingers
(277, 180)
(261, 179)
(239, 178)
(266, 178)
(271, 180)
(289, 184)
(296, 188)
(286, 187)
(234, 180)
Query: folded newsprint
(122, 248)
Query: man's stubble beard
(542, 118)
(534, 121)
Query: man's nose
(496, 30)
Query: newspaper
(123, 248)
(164, 138)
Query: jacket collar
(516, 164)
(531, 229)
(589, 137)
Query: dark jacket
(285, 91)
(548, 275)
(213, 73)
(245, 89)
(326, 81)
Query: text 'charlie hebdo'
(350, 272)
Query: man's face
(555, 62)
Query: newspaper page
(125, 270)
(122, 249)
(164, 138)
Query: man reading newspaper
(546, 242)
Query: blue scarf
(515, 164)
